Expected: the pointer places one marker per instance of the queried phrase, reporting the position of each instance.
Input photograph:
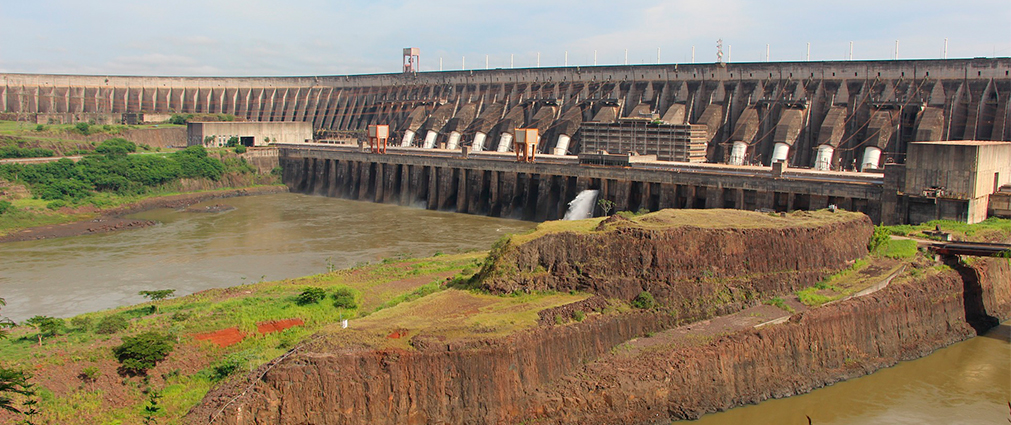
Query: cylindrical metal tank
(430, 139)
(454, 140)
(737, 153)
(504, 142)
(408, 138)
(562, 145)
(872, 157)
(779, 152)
(478, 144)
(823, 160)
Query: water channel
(287, 235)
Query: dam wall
(810, 114)
(501, 187)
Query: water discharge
(582, 206)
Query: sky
(317, 37)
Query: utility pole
(693, 54)
(626, 56)
(766, 52)
(538, 59)
(485, 61)
(440, 63)
(809, 51)
(851, 50)
(657, 55)
(594, 58)
(511, 60)
(463, 63)
(896, 49)
(944, 53)
(566, 58)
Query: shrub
(344, 298)
(180, 118)
(156, 295)
(311, 295)
(116, 146)
(57, 204)
(111, 324)
(90, 374)
(82, 323)
(83, 128)
(644, 301)
(139, 353)
(179, 316)
(578, 315)
(240, 149)
(880, 237)
(40, 127)
(232, 142)
(5, 206)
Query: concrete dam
(822, 115)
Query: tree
(232, 142)
(46, 326)
(160, 294)
(111, 324)
(15, 382)
(139, 353)
(116, 147)
(606, 205)
(310, 295)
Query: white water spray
(582, 206)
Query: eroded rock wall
(697, 272)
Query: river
(288, 235)
(267, 237)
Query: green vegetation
(311, 295)
(5, 206)
(160, 294)
(17, 152)
(142, 352)
(991, 229)
(112, 324)
(182, 119)
(778, 302)
(114, 172)
(14, 383)
(46, 326)
(345, 298)
(644, 301)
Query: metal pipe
(562, 145)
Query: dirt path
(111, 220)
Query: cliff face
(547, 374)
(478, 382)
(689, 269)
(813, 349)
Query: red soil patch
(277, 325)
(223, 338)
(397, 334)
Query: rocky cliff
(695, 270)
(816, 348)
(573, 373)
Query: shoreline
(111, 220)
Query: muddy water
(966, 383)
(265, 237)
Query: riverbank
(92, 220)
(420, 342)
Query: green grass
(989, 229)
(898, 249)
(716, 219)
(396, 292)
(778, 302)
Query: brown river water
(288, 235)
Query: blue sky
(316, 37)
